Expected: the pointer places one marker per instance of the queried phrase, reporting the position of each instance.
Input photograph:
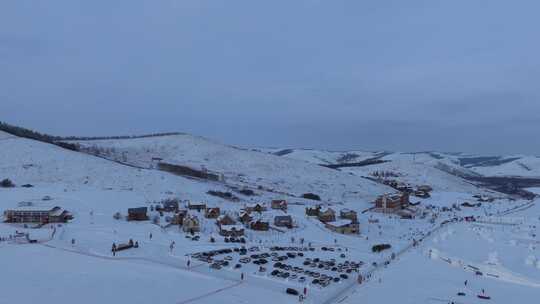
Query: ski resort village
(176, 218)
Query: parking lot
(299, 267)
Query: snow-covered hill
(514, 165)
(240, 167)
(26, 161)
(94, 188)
(325, 157)
(441, 171)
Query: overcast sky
(456, 75)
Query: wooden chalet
(245, 218)
(424, 188)
(138, 214)
(191, 224)
(259, 225)
(283, 221)
(343, 226)
(313, 211)
(225, 220)
(212, 213)
(168, 206)
(327, 215)
(348, 214)
(255, 208)
(231, 230)
(196, 206)
(178, 218)
(422, 194)
(279, 205)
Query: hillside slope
(442, 171)
(240, 167)
(26, 161)
(514, 165)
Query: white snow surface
(75, 264)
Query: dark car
(292, 291)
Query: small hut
(255, 208)
(313, 211)
(191, 224)
(245, 218)
(259, 225)
(279, 205)
(344, 226)
(348, 214)
(169, 206)
(197, 206)
(283, 221)
(225, 220)
(212, 213)
(327, 215)
(138, 214)
(178, 218)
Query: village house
(34, 214)
(283, 221)
(168, 206)
(231, 230)
(422, 194)
(138, 214)
(199, 207)
(348, 214)
(392, 202)
(245, 218)
(191, 224)
(327, 215)
(212, 213)
(178, 218)
(406, 213)
(255, 208)
(344, 227)
(279, 205)
(424, 188)
(259, 225)
(403, 187)
(225, 220)
(313, 211)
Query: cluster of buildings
(229, 224)
(422, 191)
(189, 223)
(346, 223)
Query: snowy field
(73, 263)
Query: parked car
(292, 291)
